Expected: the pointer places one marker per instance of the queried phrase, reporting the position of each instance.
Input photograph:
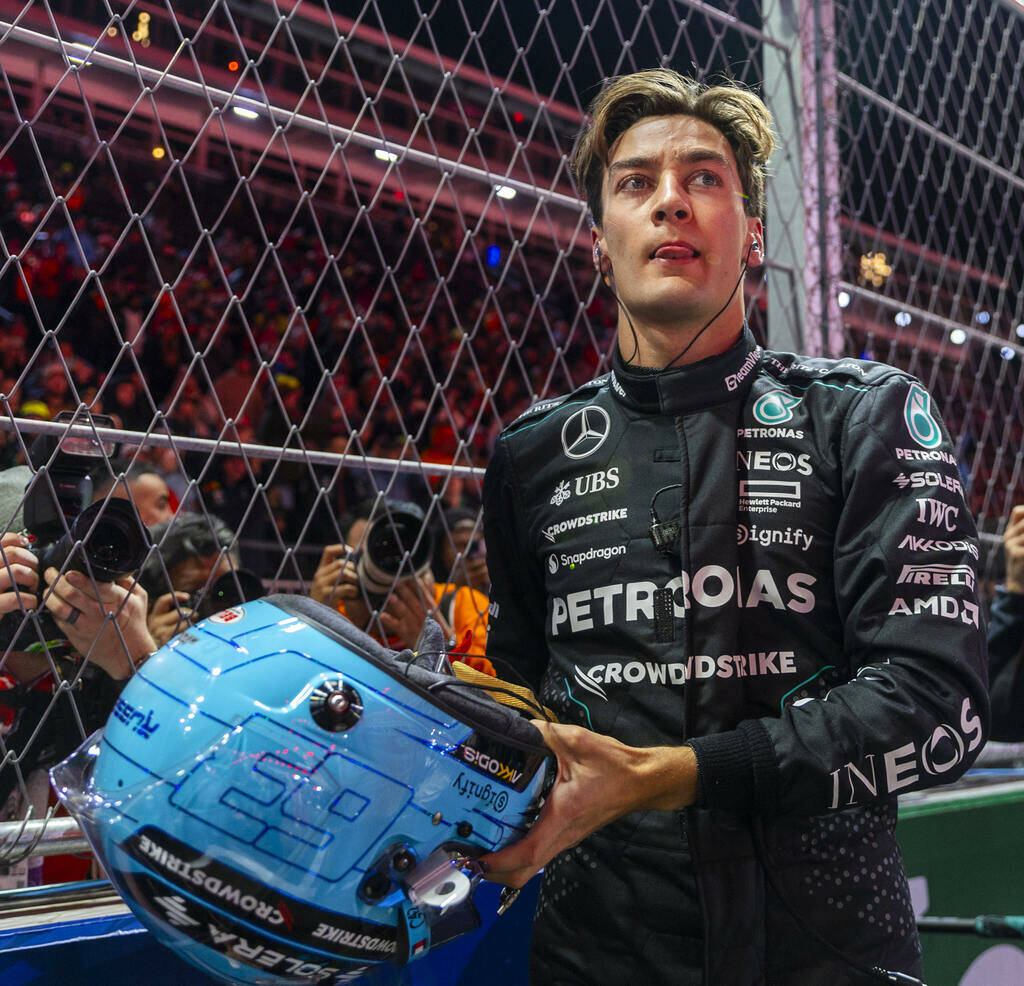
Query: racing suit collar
(727, 376)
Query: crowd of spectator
(340, 330)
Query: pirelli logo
(937, 575)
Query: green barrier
(962, 847)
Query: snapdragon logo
(775, 408)
(570, 561)
(917, 412)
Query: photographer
(460, 557)
(138, 482)
(390, 601)
(70, 643)
(103, 622)
(196, 559)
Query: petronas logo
(775, 408)
(921, 424)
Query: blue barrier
(114, 951)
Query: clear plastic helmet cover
(282, 800)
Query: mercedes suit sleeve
(914, 709)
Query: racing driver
(745, 581)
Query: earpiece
(603, 264)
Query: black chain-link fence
(310, 257)
(932, 192)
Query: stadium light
(158, 152)
(958, 337)
(874, 269)
(244, 113)
(1020, 331)
(902, 318)
(504, 192)
(983, 318)
(843, 299)
(381, 155)
(1007, 352)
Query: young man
(142, 485)
(745, 582)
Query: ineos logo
(585, 432)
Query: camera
(106, 539)
(396, 538)
(230, 589)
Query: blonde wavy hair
(735, 111)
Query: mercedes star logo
(585, 432)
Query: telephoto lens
(106, 540)
(230, 589)
(398, 530)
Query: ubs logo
(585, 432)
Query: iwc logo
(775, 408)
(917, 412)
(585, 432)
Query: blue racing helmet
(281, 799)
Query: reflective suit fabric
(819, 645)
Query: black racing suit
(810, 628)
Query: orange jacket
(465, 610)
